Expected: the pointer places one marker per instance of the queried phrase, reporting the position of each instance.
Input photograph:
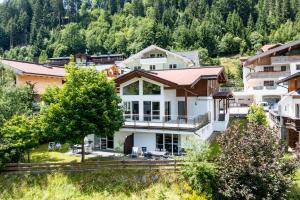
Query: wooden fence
(93, 166)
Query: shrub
(201, 171)
(252, 164)
(257, 115)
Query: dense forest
(50, 28)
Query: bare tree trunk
(28, 155)
(82, 150)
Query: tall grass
(107, 184)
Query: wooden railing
(93, 166)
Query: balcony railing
(274, 116)
(155, 60)
(269, 74)
(172, 122)
(284, 59)
(231, 89)
(265, 87)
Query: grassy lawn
(94, 185)
(41, 154)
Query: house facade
(164, 109)
(287, 118)
(156, 58)
(262, 71)
(38, 75)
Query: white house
(163, 108)
(262, 71)
(287, 118)
(156, 58)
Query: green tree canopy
(86, 104)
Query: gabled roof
(267, 47)
(283, 47)
(191, 55)
(177, 77)
(153, 47)
(34, 69)
(296, 75)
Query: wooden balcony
(292, 123)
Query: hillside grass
(105, 184)
(233, 66)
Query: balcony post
(185, 105)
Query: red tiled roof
(186, 76)
(30, 68)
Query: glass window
(127, 109)
(298, 67)
(156, 110)
(160, 142)
(173, 66)
(131, 89)
(268, 83)
(137, 67)
(150, 88)
(283, 68)
(269, 69)
(152, 67)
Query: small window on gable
(172, 66)
(131, 89)
(152, 55)
(150, 88)
(152, 67)
(268, 68)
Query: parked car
(265, 105)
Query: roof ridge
(198, 67)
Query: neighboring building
(43, 76)
(287, 118)
(262, 71)
(84, 59)
(156, 58)
(39, 75)
(163, 108)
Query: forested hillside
(49, 28)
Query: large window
(131, 89)
(150, 88)
(127, 109)
(155, 110)
(168, 142)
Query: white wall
(171, 59)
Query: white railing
(267, 74)
(283, 59)
(166, 121)
(145, 61)
(231, 89)
(265, 87)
